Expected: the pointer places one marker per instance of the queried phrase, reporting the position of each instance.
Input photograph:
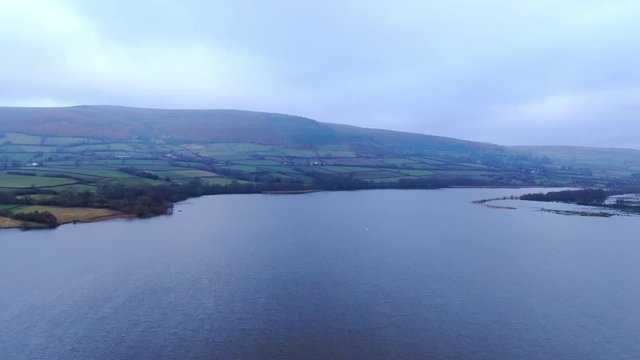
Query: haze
(508, 72)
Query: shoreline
(291, 192)
(38, 226)
(485, 202)
(103, 218)
(481, 202)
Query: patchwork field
(23, 181)
(7, 223)
(32, 161)
(75, 165)
(70, 214)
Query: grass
(243, 168)
(338, 154)
(134, 180)
(8, 223)
(279, 168)
(26, 148)
(7, 206)
(36, 196)
(229, 156)
(138, 162)
(299, 153)
(24, 181)
(218, 181)
(391, 179)
(398, 161)
(104, 173)
(60, 163)
(127, 162)
(102, 147)
(257, 162)
(213, 181)
(21, 157)
(18, 138)
(375, 175)
(333, 147)
(351, 169)
(415, 172)
(65, 140)
(149, 167)
(67, 215)
(76, 187)
(248, 147)
(185, 164)
(335, 150)
(184, 174)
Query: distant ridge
(118, 122)
(181, 126)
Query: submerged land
(88, 163)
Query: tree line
(591, 196)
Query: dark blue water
(349, 275)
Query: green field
(69, 214)
(212, 181)
(99, 161)
(8, 223)
(415, 172)
(22, 181)
(183, 174)
(66, 140)
(86, 162)
(102, 147)
(18, 138)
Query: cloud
(497, 70)
(570, 109)
(63, 57)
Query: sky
(502, 71)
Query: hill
(180, 126)
(117, 157)
(612, 160)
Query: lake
(386, 274)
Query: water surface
(387, 274)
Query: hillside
(92, 156)
(612, 160)
(180, 126)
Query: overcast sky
(508, 72)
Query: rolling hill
(122, 123)
(77, 156)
